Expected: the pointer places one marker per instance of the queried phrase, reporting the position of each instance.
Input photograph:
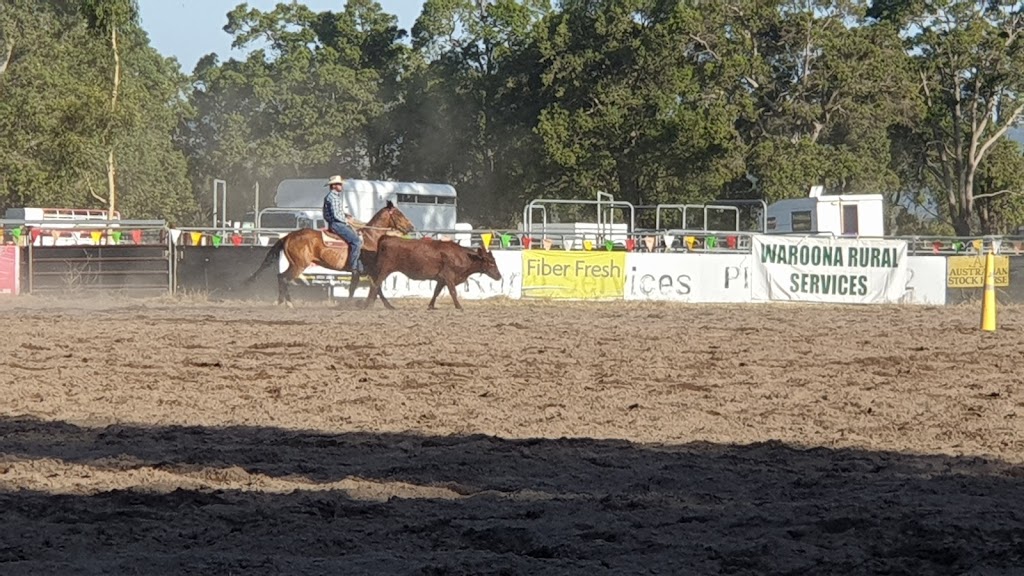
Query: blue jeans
(355, 244)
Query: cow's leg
(438, 285)
(383, 300)
(377, 281)
(369, 259)
(370, 264)
(371, 297)
(380, 292)
(451, 290)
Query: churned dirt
(173, 437)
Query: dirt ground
(190, 437)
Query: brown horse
(307, 246)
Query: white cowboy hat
(336, 180)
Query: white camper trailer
(841, 215)
(299, 203)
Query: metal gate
(117, 256)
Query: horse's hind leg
(282, 289)
(283, 280)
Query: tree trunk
(111, 170)
(7, 56)
(962, 223)
(111, 183)
(985, 216)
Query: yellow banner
(574, 275)
(969, 271)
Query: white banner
(707, 278)
(926, 280)
(826, 269)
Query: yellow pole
(988, 304)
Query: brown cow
(443, 261)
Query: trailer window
(800, 221)
(425, 199)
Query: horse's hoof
(289, 305)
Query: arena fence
(147, 257)
(122, 256)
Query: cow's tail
(273, 256)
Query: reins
(361, 226)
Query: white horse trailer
(299, 203)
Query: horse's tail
(272, 256)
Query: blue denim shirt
(334, 207)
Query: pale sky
(190, 29)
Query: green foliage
(55, 114)
(104, 15)
(309, 102)
(969, 59)
(653, 101)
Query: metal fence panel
(221, 271)
(131, 270)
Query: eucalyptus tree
(817, 88)
(307, 100)
(109, 18)
(63, 123)
(469, 103)
(969, 66)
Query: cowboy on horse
(337, 217)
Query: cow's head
(484, 260)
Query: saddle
(332, 239)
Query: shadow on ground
(579, 506)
